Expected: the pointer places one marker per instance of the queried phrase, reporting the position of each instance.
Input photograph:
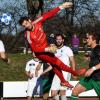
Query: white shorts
(34, 87)
(2, 49)
(56, 81)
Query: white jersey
(2, 49)
(31, 67)
(64, 55)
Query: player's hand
(9, 61)
(75, 77)
(66, 5)
(31, 75)
(51, 49)
(89, 72)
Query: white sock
(63, 97)
(56, 97)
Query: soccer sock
(43, 98)
(56, 97)
(73, 97)
(58, 72)
(63, 97)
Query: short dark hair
(22, 19)
(95, 37)
(59, 35)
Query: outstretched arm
(91, 70)
(52, 12)
(47, 70)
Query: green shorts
(91, 84)
(46, 85)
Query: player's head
(26, 22)
(92, 39)
(59, 40)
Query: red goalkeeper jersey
(37, 37)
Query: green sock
(73, 97)
(43, 98)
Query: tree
(83, 12)
(82, 18)
(33, 7)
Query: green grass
(16, 71)
(80, 61)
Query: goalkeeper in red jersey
(36, 37)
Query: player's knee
(54, 93)
(75, 92)
(78, 89)
(63, 92)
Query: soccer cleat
(67, 84)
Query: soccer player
(65, 54)
(38, 42)
(33, 69)
(92, 76)
(3, 55)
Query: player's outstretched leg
(66, 68)
(58, 72)
(50, 58)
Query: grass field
(16, 71)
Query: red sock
(58, 72)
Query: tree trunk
(30, 8)
(33, 7)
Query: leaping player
(36, 37)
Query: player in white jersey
(33, 69)
(3, 55)
(2, 49)
(65, 54)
